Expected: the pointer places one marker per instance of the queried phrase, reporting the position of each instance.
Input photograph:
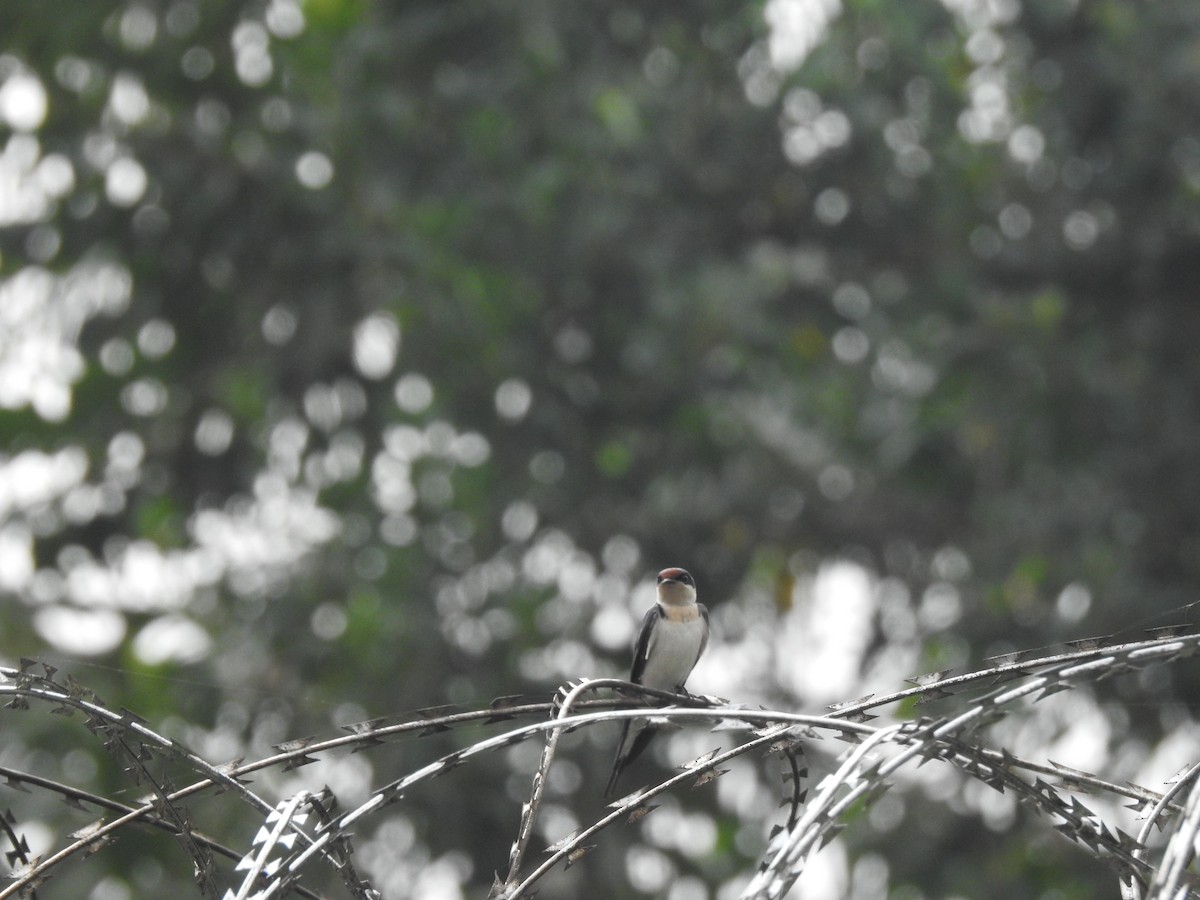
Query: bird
(674, 633)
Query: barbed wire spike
(297, 762)
(129, 717)
(1089, 643)
(730, 724)
(932, 694)
(96, 845)
(499, 704)
(1178, 776)
(365, 732)
(86, 831)
(1076, 779)
(436, 712)
(75, 688)
(640, 812)
(31, 882)
(785, 744)
(20, 850)
(705, 777)
(290, 746)
(835, 708)
(1168, 631)
(1050, 689)
(702, 760)
(1008, 658)
(830, 833)
(789, 775)
(577, 854)
(229, 770)
(74, 802)
(629, 798)
(563, 843)
(928, 678)
(874, 792)
(995, 779)
(449, 764)
(1119, 667)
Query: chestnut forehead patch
(680, 575)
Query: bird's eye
(685, 578)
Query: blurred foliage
(412, 336)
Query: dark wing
(618, 761)
(628, 749)
(641, 647)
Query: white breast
(674, 647)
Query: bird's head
(676, 587)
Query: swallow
(674, 633)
